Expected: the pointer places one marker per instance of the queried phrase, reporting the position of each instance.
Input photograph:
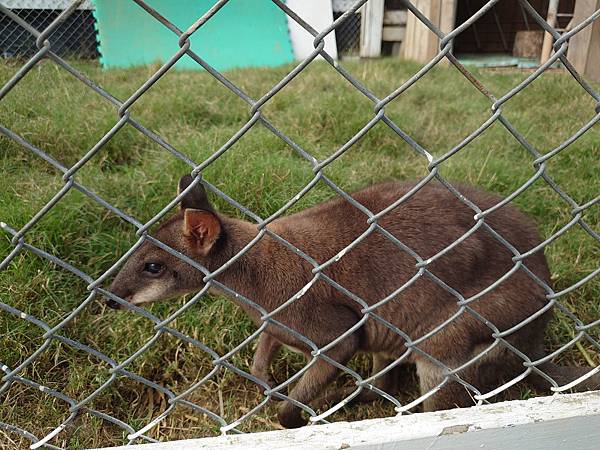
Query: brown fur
(269, 274)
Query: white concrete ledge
(562, 421)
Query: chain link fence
(81, 407)
(75, 37)
(347, 34)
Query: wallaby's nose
(113, 304)
(120, 293)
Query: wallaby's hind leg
(492, 369)
(562, 375)
(266, 351)
(451, 395)
(314, 381)
(389, 382)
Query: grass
(193, 112)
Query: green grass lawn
(193, 112)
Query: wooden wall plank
(584, 47)
(394, 17)
(371, 28)
(420, 43)
(393, 34)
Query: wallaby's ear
(203, 227)
(195, 198)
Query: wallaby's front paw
(290, 417)
(263, 375)
(270, 381)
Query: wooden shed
(504, 29)
(505, 34)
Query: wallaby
(428, 222)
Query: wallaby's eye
(153, 268)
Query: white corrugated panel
(319, 15)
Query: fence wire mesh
(347, 34)
(79, 407)
(75, 37)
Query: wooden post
(584, 47)
(551, 19)
(371, 26)
(420, 43)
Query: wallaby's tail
(565, 374)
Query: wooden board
(371, 25)
(584, 47)
(420, 43)
(394, 17)
(393, 34)
(528, 43)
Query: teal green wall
(243, 33)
